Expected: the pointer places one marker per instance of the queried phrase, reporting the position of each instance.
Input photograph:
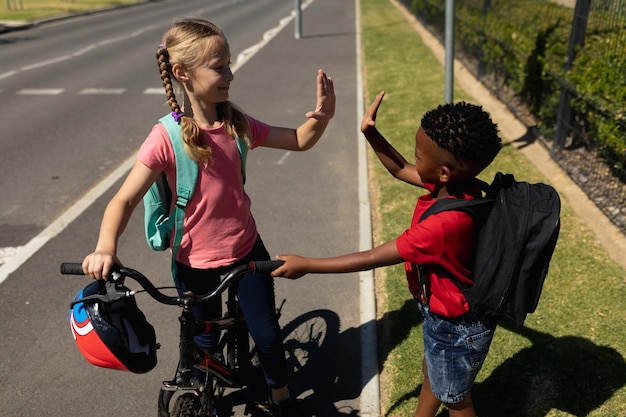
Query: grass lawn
(31, 10)
(568, 359)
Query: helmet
(110, 330)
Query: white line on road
(77, 53)
(248, 53)
(284, 158)
(102, 91)
(40, 91)
(23, 253)
(159, 91)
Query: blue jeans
(454, 350)
(256, 299)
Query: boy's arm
(296, 266)
(395, 163)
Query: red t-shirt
(443, 243)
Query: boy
(454, 143)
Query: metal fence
(560, 66)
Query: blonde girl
(220, 232)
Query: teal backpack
(158, 219)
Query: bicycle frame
(229, 372)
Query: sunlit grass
(569, 357)
(32, 10)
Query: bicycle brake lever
(116, 276)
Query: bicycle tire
(187, 405)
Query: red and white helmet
(112, 334)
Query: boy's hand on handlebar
(369, 119)
(99, 265)
(294, 267)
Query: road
(77, 98)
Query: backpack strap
(478, 208)
(186, 177)
(475, 207)
(242, 147)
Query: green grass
(568, 360)
(32, 10)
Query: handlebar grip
(265, 266)
(72, 268)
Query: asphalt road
(77, 98)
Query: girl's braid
(165, 70)
(196, 149)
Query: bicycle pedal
(258, 409)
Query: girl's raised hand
(325, 108)
(369, 119)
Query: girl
(219, 231)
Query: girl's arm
(388, 155)
(307, 135)
(116, 216)
(296, 266)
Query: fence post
(576, 39)
(298, 19)
(449, 46)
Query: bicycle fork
(184, 380)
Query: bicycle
(231, 366)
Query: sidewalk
(608, 235)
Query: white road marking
(102, 91)
(23, 253)
(40, 91)
(284, 158)
(77, 53)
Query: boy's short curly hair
(463, 129)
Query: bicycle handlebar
(72, 268)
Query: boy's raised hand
(325, 107)
(369, 119)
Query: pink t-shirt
(219, 227)
(444, 243)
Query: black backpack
(518, 226)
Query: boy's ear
(445, 174)
(180, 73)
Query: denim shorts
(454, 350)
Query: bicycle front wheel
(187, 405)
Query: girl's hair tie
(177, 116)
(162, 46)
